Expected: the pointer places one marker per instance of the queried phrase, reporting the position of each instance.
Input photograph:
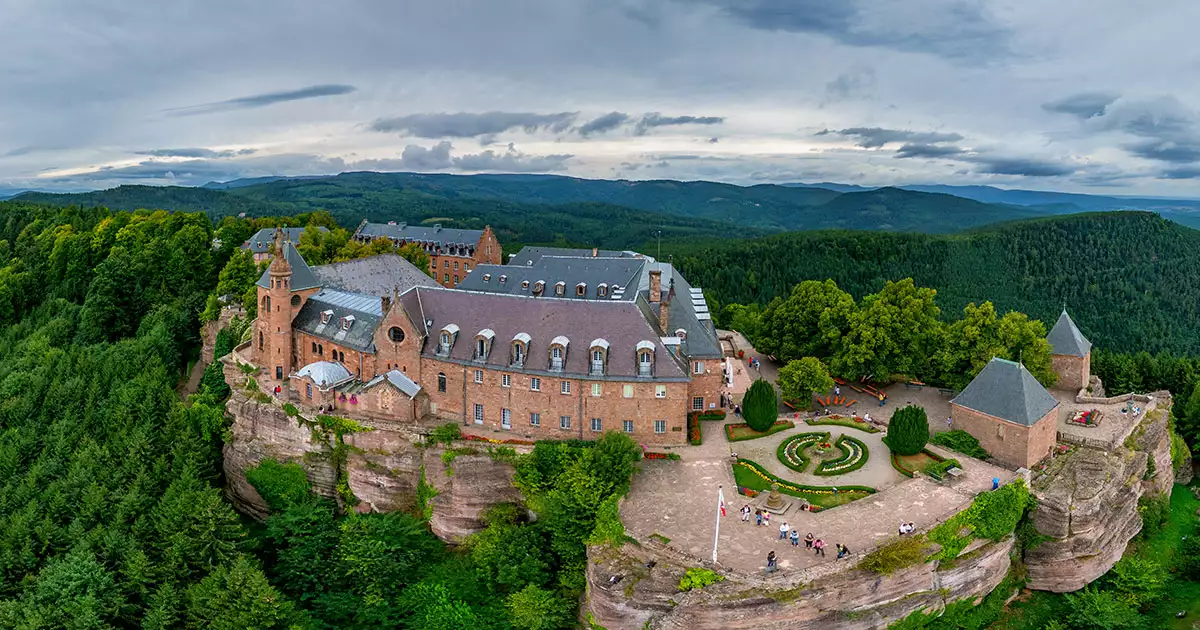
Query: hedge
(937, 470)
(780, 425)
(843, 422)
(824, 469)
(787, 485)
(781, 452)
(715, 414)
(961, 441)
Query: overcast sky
(1081, 95)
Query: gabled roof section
(531, 255)
(366, 310)
(377, 275)
(612, 272)
(1008, 391)
(1066, 339)
(434, 234)
(397, 379)
(261, 242)
(302, 275)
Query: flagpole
(717, 532)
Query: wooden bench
(955, 472)
(948, 392)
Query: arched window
(267, 303)
(321, 349)
(295, 300)
(598, 352)
(480, 348)
(602, 290)
(396, 334)
(645, 358)
(445, 339)
(441, 382)
(581, 289)
(560, 288)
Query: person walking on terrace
(758, 514)
(771, 562)
(819, 547)
(795, 536)
(808, 541)
(746, 513)
(783, 530)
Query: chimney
(655, 285)
(664, 309)
(595, 252)
(386, 303)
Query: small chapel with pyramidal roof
(1011, 414)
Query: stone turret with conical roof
(1070, 354)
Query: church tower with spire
(1070, 354)
(282, 291)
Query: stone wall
(1073, 372)
(1012, 444)
(383, 469)
(834, 597)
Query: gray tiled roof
(1065, 338)
(325, 373)
(260, 243)
(1007, 390)
(613, 272)
(397, 378)
(431, 234)
(377, 275)
(701, 342)
(366, 309)
(302, 275)
(618, 322)
(530, 255)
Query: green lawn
(743, 432)
(844, 422)
(745, 477)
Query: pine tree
(908, 431)
(759, 405)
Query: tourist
(795, 536)
(837, 390)
(737, 410)
(758, 517)
(881, 399)
(842, 552)
(903, 528)
(766, 518)
(771, 562)
(783, 530)
(912, 527)
(949, 423)
(819, 547)
(808, 541)
(867, 417)
(746, 513)
(995, 483)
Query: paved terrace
(678, 500)
(1114, 426)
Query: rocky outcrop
(1153, 437)
(209, 332)
(1089, 512)
(832, 596)
(383, 468)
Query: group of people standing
(789, 534)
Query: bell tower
(276, 319)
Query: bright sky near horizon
(1070, 95)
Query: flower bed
(854, 456)
(750, 475)
(480, 438)
(695, 438)
(841, 421)
(791, 450)
(742, 431)
(653, 455)
(908, 465)
(1085, 418)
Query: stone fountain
(773, 502)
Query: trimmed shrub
(938, 469)
(760, 406)
(908, 432)
(961, 441)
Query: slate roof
(377, 275)
(397, 378)
(687, 311)
(621, 323)
(613, 272)
(302, 275)
(366, 309)
(1066, 339)
(530, 255)
(325, 373)
(1007, 390)
(260, 243)
(435, 235)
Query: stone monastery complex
(557, 344)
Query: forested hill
(1130, 279)
(525, 202)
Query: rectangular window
(308, 389)
(506, 380)
(478, 376)
(478, 414)
(660, 426)
(446, 277)
(535, 384)
(697, 403)
(660, 391)
(535, 419)
(697, 367)
(466, 266)
(506, 418)
(455, 278)
(597, 424)
(565, 387)
(564, 422)
(445, 264)
(627, 391)
(595, 389)
(456, 265)
(627, 425)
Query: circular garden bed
(842, 456)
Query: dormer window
(598, 352)
(483, 344)
(347, 322)
(539, 287)
(524, 284)
(602, 290)
(326, 316)
(487, 277)
(446, 339)
(645, 358)
(681, 333)
(503, 279)
(558, 352)
(520, 349)
(560, 288)
(581, 289)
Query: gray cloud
(857, 82)
(1180, 151)
(603, 124)
(263, 100)
(1027, 167)
(196, 153)
(917, 150)
(877, 137)
(418, 158)
(472, 125)
(1182, 172)
(1083, 105)
(655, 119)
(511, 161)
(954, 29)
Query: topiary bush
(760, 406)
(908, 432)
(961, 441)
